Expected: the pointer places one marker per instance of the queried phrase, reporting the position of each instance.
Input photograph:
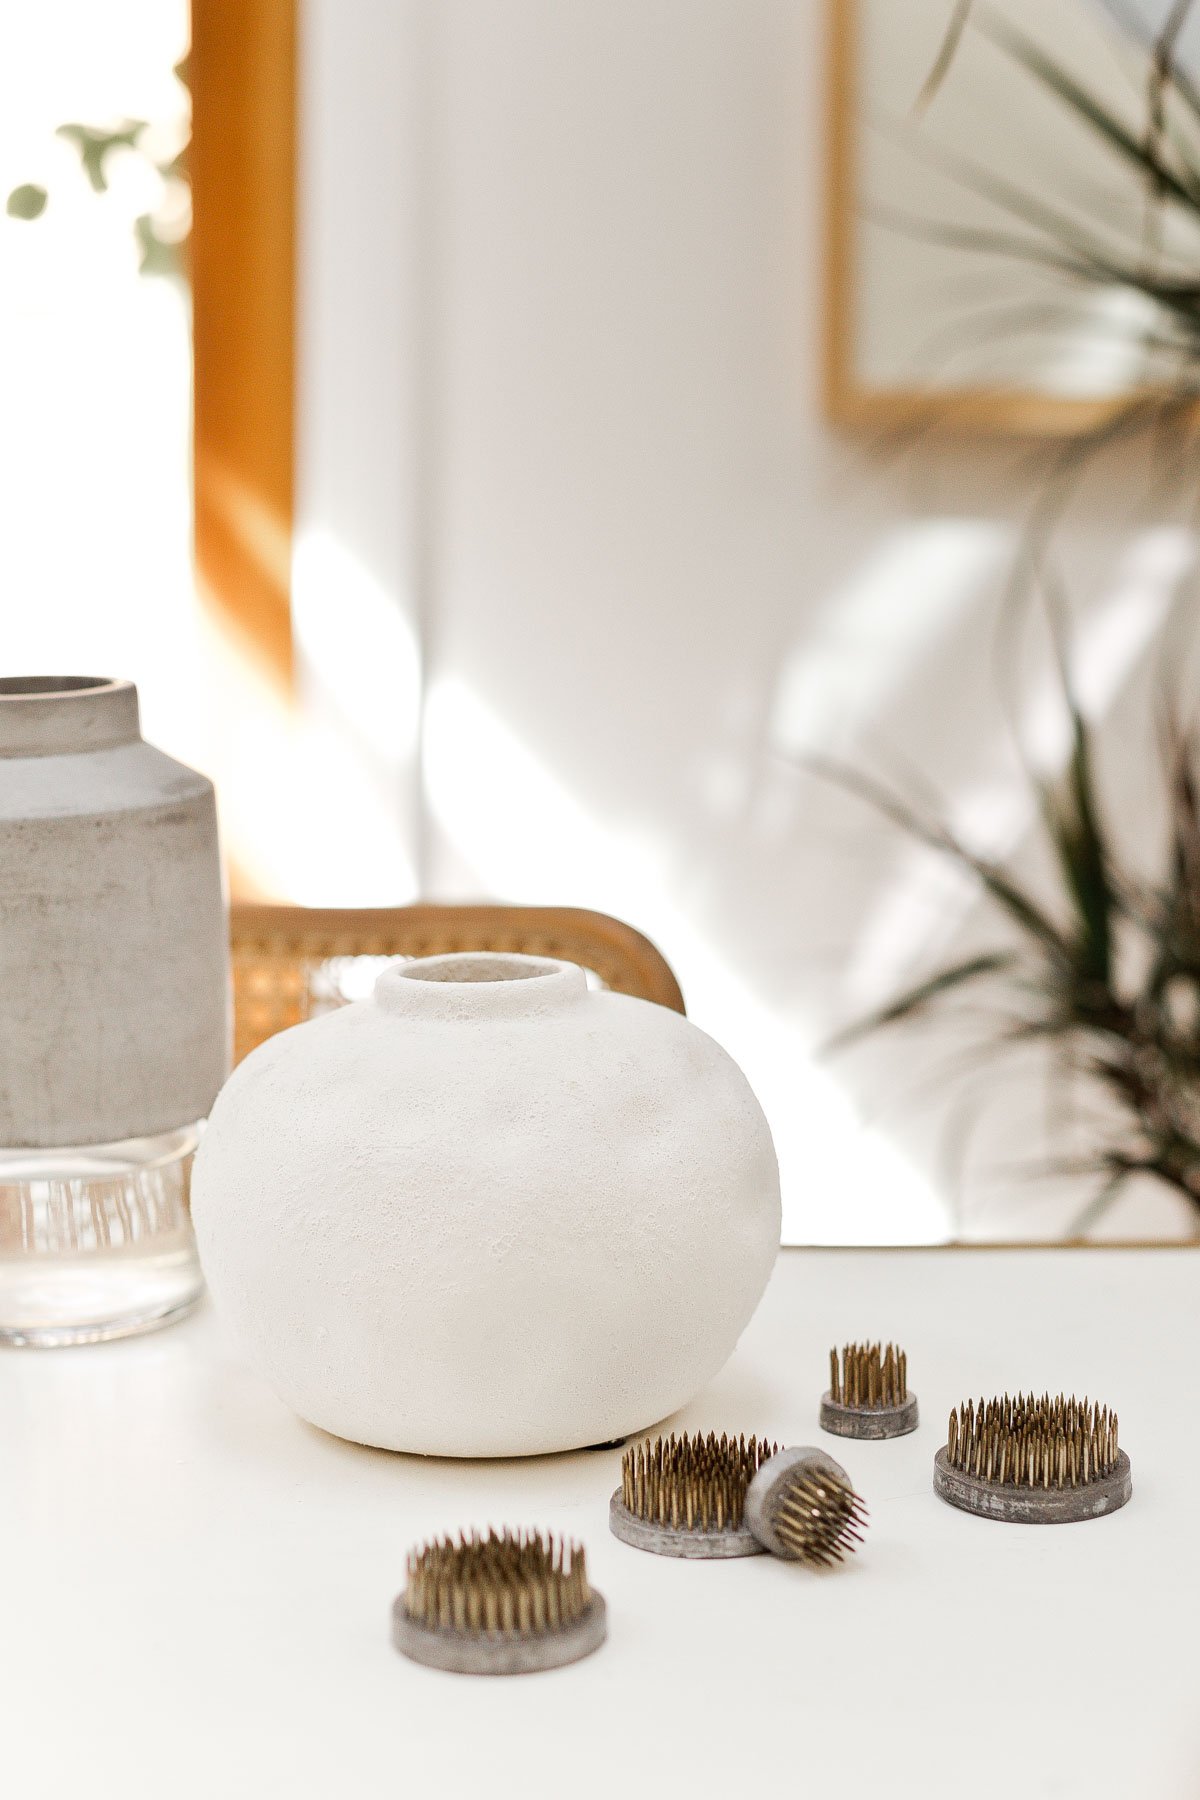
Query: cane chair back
(292, 962)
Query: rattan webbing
(279, 952)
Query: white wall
(644, 573)
(362, 456)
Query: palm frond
(944, 60)
(1072, 819)
(1167, 76)
(921, 995)
(1068, 235)
(1099, 1203)
(1139, 153)
(1060, 984)
(1102, 977)
(1020, 906)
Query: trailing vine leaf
(161, 252)
(159, 255)
(96, 144)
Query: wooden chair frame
(276, 949)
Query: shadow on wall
(643, 574)
(785, 906)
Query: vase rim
(58, 715)
(45, 687)
(473, 984)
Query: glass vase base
(90, 1304)
(96, 1240)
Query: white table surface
(195, 1587)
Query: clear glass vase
(96, 1241)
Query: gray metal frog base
(868, 1421)
(665, 1540)
(776, 1484)
(499, 1652)
(1032, 1506)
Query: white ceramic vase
(487, 1211)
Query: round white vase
(487, 1211)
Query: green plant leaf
(1021, 908)
(158, 255)
(943, 61)
(1099, 1203)
(916, 998)
(1072, 819)
(27, 201)
(1085, 251)
(1133, 25)
(1106, 979)
(1061, 243)
(1170, 913)
(982, 239)
(1093, 112)
(95, 144)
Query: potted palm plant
(1103, 970)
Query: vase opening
(54, 715)
(479, 968)
(478, 984)
(45, 685)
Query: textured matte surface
(662, 1540)
(499, 1653)
(1033, 1506)
(114, 957)
(868, 1422)
(196, 1584)
(487, 1217)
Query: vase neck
(480, 985)
(63, 715)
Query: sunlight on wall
(867, 637)
(359, 676)
(529, 839)
(359, 652)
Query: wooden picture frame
(242, 73)
(847, 401)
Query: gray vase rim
(63, 715)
